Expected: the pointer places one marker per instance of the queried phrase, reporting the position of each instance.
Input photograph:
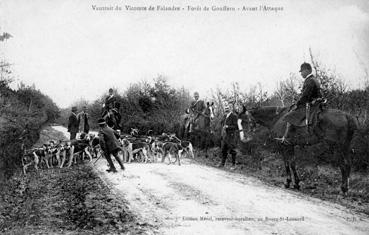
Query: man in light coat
(83, 120)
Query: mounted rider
(110, 101)
(111, 107)
(197, 109)
(311, 91)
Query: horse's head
(209, 111)
(245, 118)
(266, 116)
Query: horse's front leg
(206, 146)
(344, 184)
(345, 167)
(295, 175)
(288, 172)
(179, 153)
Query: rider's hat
(101, 121)
(305, 66)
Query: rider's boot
(284, 137)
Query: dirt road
(196, 199)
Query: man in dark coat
(83, 120)
(117, 115)
(229, 136)
(73, 124)
(197, 108)
(310, 92)
(109, 143)
(110, 100)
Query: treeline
(22, 114)
(147, 106)
(157, 106)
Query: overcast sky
(69, 51)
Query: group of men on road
(310, 91)
(78, 122)
(229, 126)
(229, 137)
(108, 138)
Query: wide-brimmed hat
(101, 121)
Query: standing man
(229, 136)
(185, 123)
(109, 143)
(197, 108)
(73, 124)
(310, 91)
(83, 120)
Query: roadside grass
(72, 201)
(64, 201)
(320, 181)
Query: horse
(112, 118)
(334, 128)
(201, 128)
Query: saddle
(193, 122)
(313, 110)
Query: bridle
(251, 124)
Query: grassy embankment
(72, 201)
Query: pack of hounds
(134, 147)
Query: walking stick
(101, 154)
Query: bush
(22, 114)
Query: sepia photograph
(184, 117)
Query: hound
(31, 157)
(136, 147)
(77, 147)
(186, 146)
(170, 149)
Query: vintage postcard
(184, 117)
